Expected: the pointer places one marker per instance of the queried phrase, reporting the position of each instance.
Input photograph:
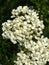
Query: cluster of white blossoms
(26, 28)
(38, 57)
(38, 53)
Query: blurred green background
(7, 49)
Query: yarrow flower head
(26, 28)
(38, 53)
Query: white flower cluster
(26, 28)
(38, 53)
(37, 57)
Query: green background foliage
(7, 49)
